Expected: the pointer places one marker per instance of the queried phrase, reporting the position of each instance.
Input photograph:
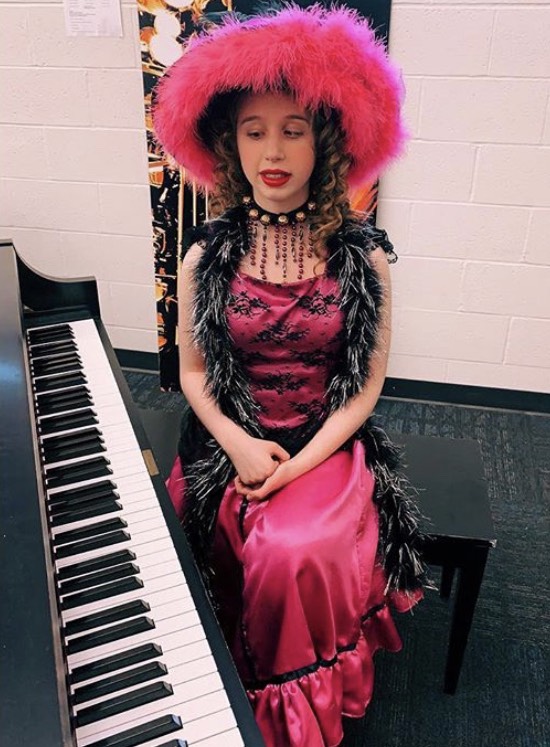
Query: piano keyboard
(141, 671)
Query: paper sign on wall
(93, 18)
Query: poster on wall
(164, 25)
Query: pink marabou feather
(327, 57)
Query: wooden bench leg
(469, 582)
(447, 576)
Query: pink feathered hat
(325, 57)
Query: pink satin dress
(300, 591)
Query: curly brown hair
(328, 181)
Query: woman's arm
(343, 423)
(253, 458)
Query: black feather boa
(207, 468)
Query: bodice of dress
(287, 337)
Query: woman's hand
(284, 473)
(256, 459)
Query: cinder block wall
(468, 209)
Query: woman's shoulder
(198, 238)
(361, 232)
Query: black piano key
(76, 402)
(97, 491)
(106, 617)
(175, 743)
(58, 423)
(59, 444)
(101, 592)
(121, 681)
(41, 355)
(108, 635)
(90, 530)
(50, 383)
(61, 396)
(98, 577)
(79, 548)
(56, 477)
(56, 364)
(39, 333)
(49, 404)
(137, 735)
(69, 439)
(115, 662)
(123, 703)
(53, 346)
(82, 504)
(87, 448)
(99, 508)
(96, 564)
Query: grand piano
(107, 638)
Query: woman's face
(277, 150)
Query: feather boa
(207, 468)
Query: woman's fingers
(279, 452)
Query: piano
(107, 637)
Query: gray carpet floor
(502, 697)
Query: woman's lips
(275, 178)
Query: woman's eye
(254, 134)
(294, 133)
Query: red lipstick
(275, 177)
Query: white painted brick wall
(74, 189)
(468, 209)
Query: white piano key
(167, 555)
(137, 521)
(148, 576)
(175, 657)
(149, 539)
(189, 710)
(156, 598)
(216, 730)
(185, 625)
(231, 738)
(188, 685)
(150, 586)
(167, 641)
(158, 543)
(179, 618)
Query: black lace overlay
(280, 333)
(281, 382)
(319, 304)
(243, 304)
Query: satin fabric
(298, 583)
(297, 577)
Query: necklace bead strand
(281, 222)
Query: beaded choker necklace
(287, 247)
(299, 215)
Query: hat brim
(325, 57)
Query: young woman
(287, 491)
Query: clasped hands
(262, 467)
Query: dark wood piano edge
(36, 622)
(235, 691)
(42, 293)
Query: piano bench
(452, 496)
(458, 528)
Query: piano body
(107, 638)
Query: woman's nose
(274, 149)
